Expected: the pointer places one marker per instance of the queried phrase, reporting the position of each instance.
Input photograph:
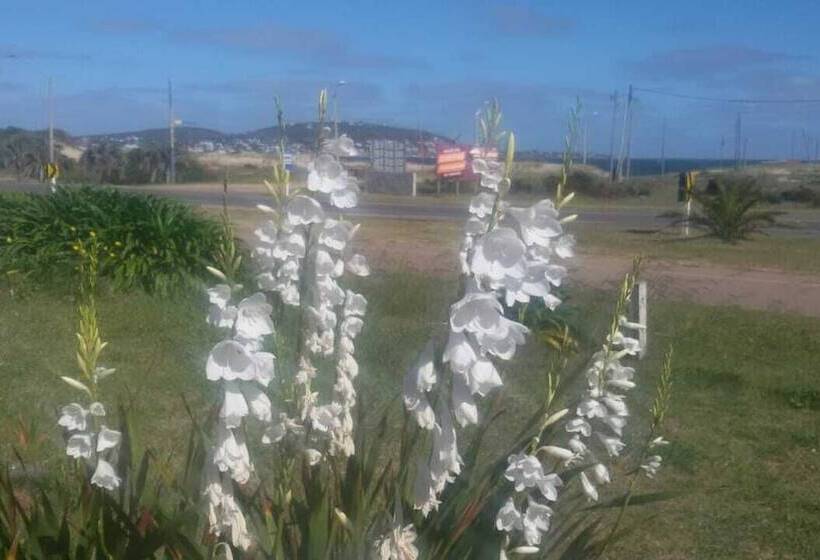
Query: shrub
(730, 212)
(152, 243)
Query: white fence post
(414, 184)
(642, 316)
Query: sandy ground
(710, 284)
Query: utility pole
(172, 172)
(51, 168)
(738, 140)
(624, 133)
(722, 147)
(629, 141)
(663, 148)
(614, 98)
(50, 121)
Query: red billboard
(455, 162)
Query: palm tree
(728, 211)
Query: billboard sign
(451, 162)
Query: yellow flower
(117, 244)
(92, 233)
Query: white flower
(508, 518)
(588, 488)
(459, 352)
(355, 304)
(231, 454)
(535, 521)
(423, 372)
(657, 442)
(234, 406)
(105, 476)
(539, 223)
(253, 317)
(397, 544)
(325, 418)
(482, 204)
(347, 197)
(497, 256)
(96, 409)
(483, 377)
(335, 234)
(219, 295)
(601, 474)
(464, 407)
(258, 402)
(312, 457)
(80, 445)
(615, 423)
(652, 465)
(613, 445)
(357, 265)
(445, 460)
(351, 327)
(73, 417)
(526, 471)
(325, 174)
(425, 497)
(565, 247)
(230, 360)
(224, 514)
(631, 346)
(591, 408)
(341, 146)
(264, 367)
(107, 439)
(222, 317)
(579, 425)
(303, 210)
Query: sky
(428, 64)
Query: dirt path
(710, 284)
(403, 245)
(769, 290)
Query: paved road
(624, 219)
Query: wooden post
(642, 316)
(639, 310)
(414, 184)
(458, 187)
(438, 187)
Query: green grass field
(744, 424)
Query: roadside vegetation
(145, 242)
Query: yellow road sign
(52, 171)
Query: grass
(790, 253)
(745, 419)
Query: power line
(726, 99)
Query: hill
(298, 133)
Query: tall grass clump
(145, 242)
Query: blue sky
(427, 63)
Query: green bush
(152, 243)
(730, 213)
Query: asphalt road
(615, 218)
